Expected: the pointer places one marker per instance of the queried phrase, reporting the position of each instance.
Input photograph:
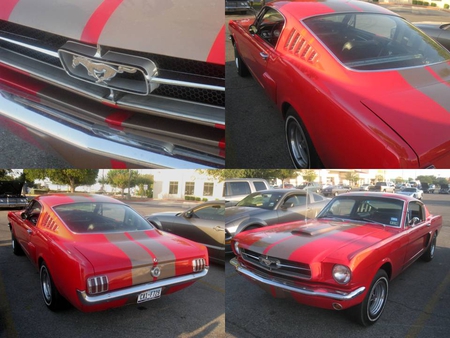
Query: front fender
(250, 222)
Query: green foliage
(71, 177)
(446, 6)
(198, 199)
(267, 174)
(204, 199)
(433, 4)
(426, 3)
(122, 178)
(414, 2)
(420, 2)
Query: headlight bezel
(341, 274)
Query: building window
(208, 189)
(189, 188)
(173, 188)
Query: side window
(297, 200)
(214, 212)
(269, 26)
(260, 186)
(237, 188)
(415, 210)
(33, 212)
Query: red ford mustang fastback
(356, 84)
(98, 253)
(344, 258)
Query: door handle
(264, 56)
(30, 231)
(218, 228)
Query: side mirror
(188, 214)
(253, 30)
(24, 215)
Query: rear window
(100, 217)
(367, 41)
(236, 188)
(260, 186)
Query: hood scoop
(315, 229)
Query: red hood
(314, 241)
(185, 29)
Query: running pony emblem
(100, 71)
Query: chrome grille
(97, 284)
(286, 269)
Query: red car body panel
(322, 243)
(126, 258)
(401, 115)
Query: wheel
(301, 149)
(241, 67)
(370, 310)
(17, 249)
(51, 296)
(429, 254)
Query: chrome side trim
(92, 144)
(186, 84)
(134, 291)
(16, 41)
(342, 296)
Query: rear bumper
(131, 293)
(110, 143)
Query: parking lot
(198, 311)
(417, 305)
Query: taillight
(198, 264)
(97, 284)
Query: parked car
(326, 62)
(445, 189)
(235, 189)
(98, 253)
(203, 223)
(437, 30)
(119, 83)
(239, 6)
(413, 192)
(334, 190)
(312, 187)
(346, 257)
(428, 188)
(383, 187)
(268, 207)
(364, 187)
(11, 196)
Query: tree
(426, 178)
(379, 178)
(309, 175)
(122, 179)
(352, 177)
(72, 177)
(141, 182)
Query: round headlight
(236, 248)
(341, 274)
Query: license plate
(149, 295)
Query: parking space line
(419, 324)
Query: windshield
(367, 41)
(267, 200)
(409, 190)
(387, 211)
(100, 217)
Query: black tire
(17, 249)
(241, 67)
(370, 310)
(428, 255)
(301, 149)
(50, 294)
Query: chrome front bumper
(306, 291)
(39, 118)
(134, 291)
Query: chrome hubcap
(377, 299)
(46, 285)
(297, 143)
